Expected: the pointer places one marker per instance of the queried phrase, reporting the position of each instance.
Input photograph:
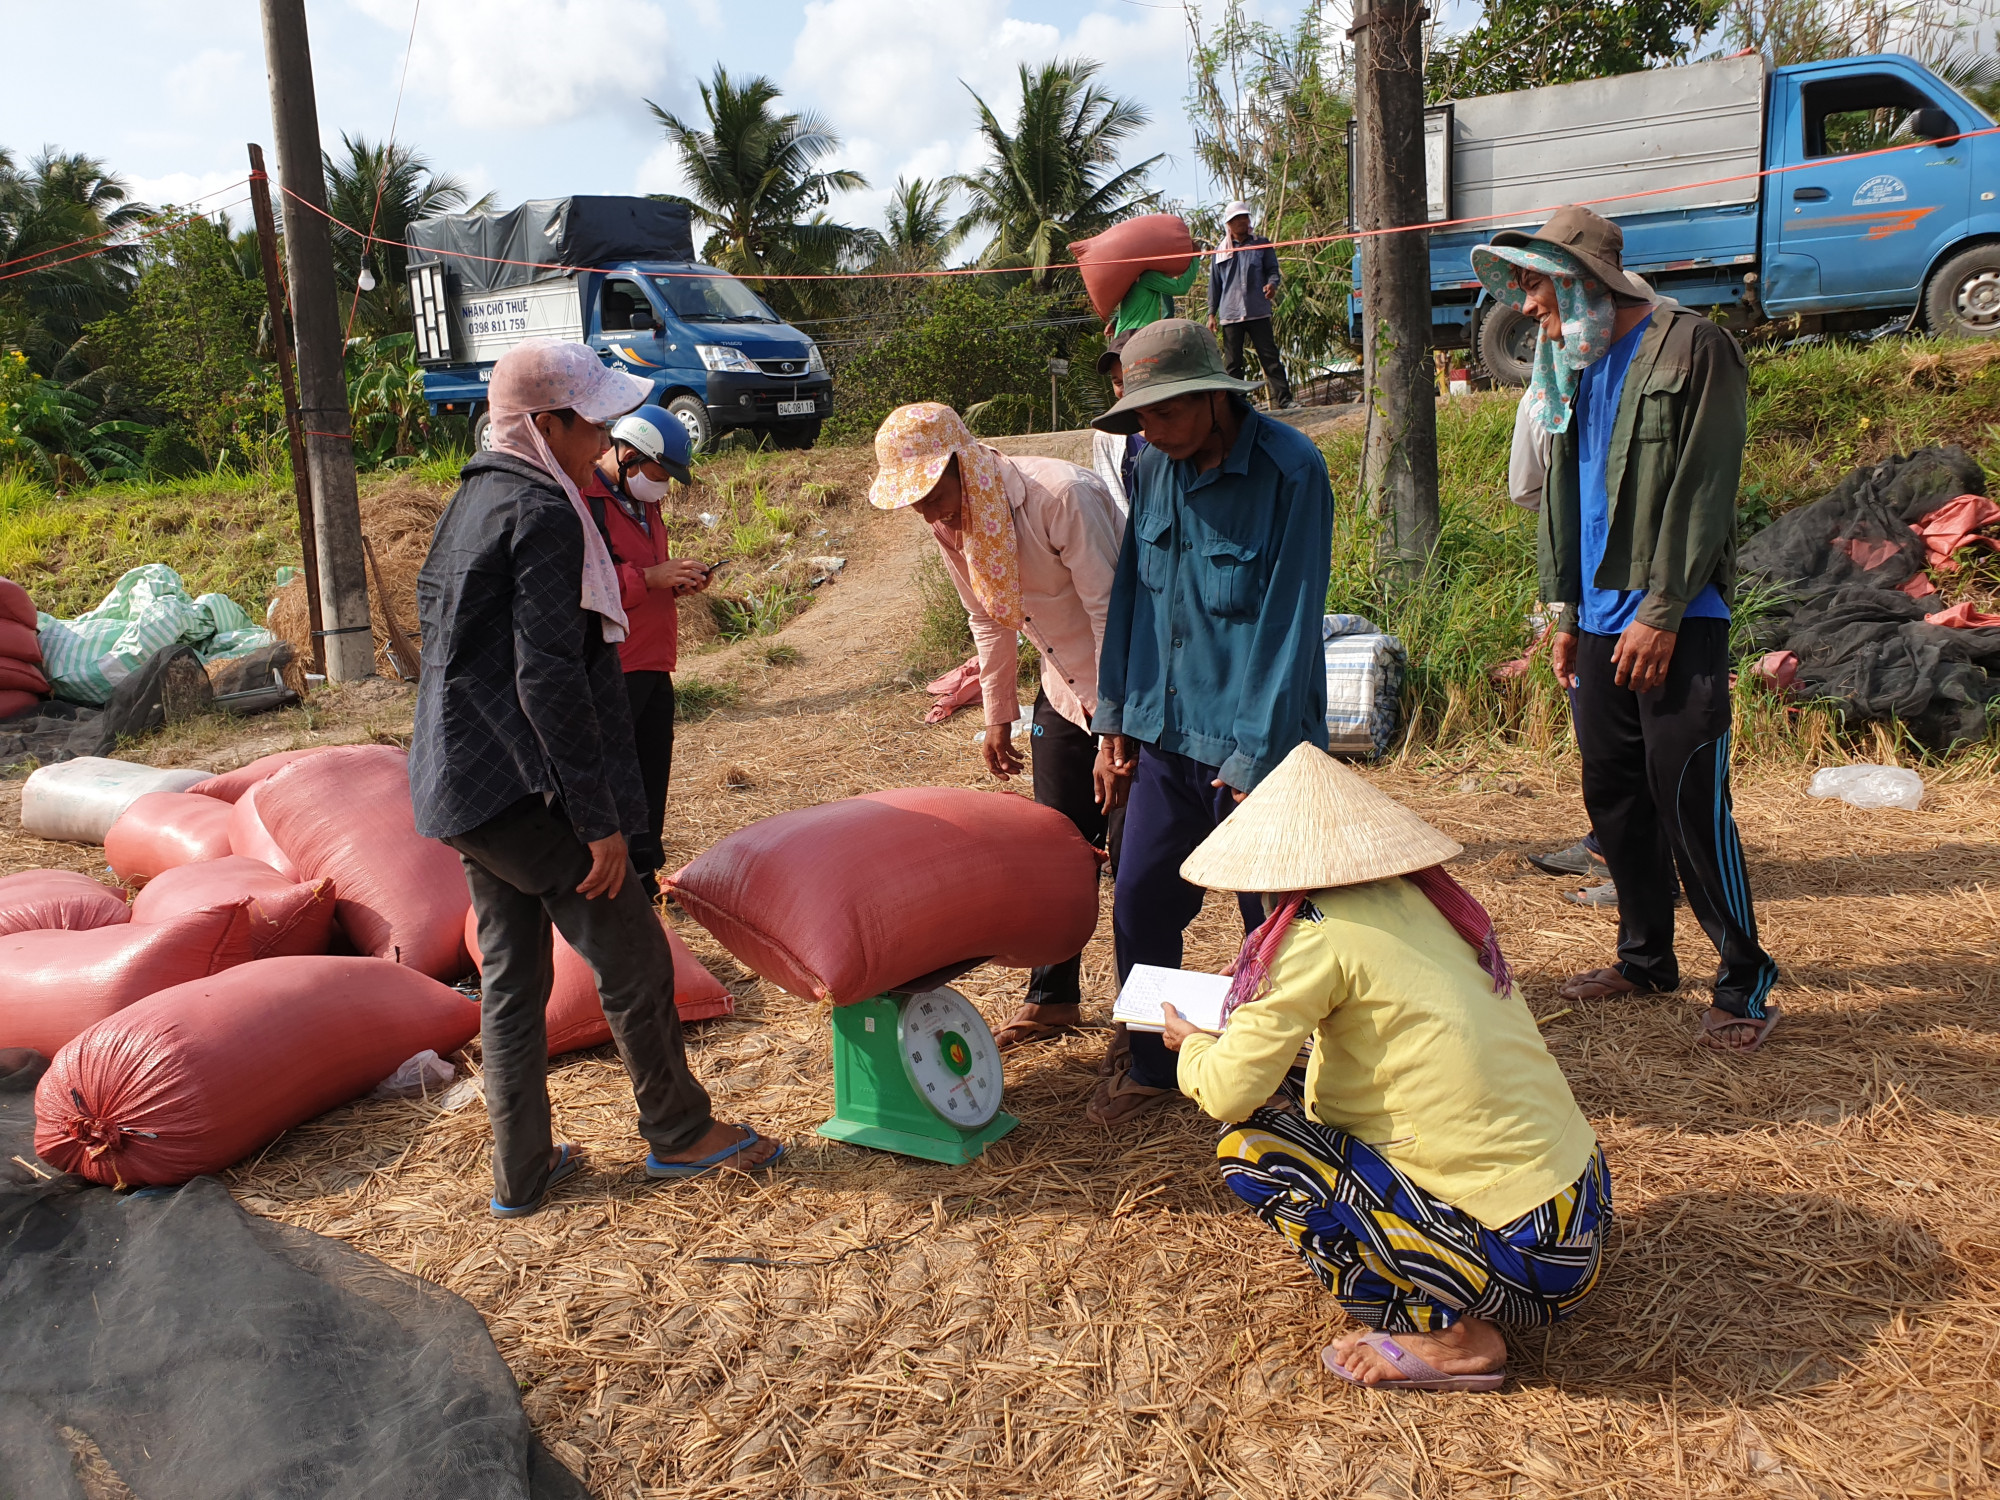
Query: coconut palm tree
(918, 234)
(67, 224)
(1053, 178)
(390, 187)
(756, 180)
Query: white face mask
(646, 491)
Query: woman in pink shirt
(648, 448)
(1032, 544)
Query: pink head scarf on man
(544, 375)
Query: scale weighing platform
(915, 1071)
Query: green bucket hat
(1170, 358)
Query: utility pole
(281, 346)
(1398, 369)
(325, 423)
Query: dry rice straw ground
(1800, 1297)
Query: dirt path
(854, 635)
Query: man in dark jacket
(522, 760)
(1647, 404)
(1241, 283)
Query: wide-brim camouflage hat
(1170, 358)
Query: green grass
(1815, 413)
(695, 698)
(227, 535)
(943, 637)
(781, 655)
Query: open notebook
(1196, 996)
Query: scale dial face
(950, 1057)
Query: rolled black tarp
(546, 239)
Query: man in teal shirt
(1212, 669)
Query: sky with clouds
(540, 98)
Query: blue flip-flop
(569, 1162)
(675, 1169)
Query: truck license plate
(795, 408)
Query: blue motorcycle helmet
(659, 437)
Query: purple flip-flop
(1417, 1376)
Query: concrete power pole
(324, 417)
(1398, 367)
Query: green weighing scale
(915, 1071)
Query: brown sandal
(1117, 1059)
(1119, 1099)
(1714, 1022)
(1026, 1026)
(1598, 984)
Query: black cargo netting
(1833, 571)
(197, 1352)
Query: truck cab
(719, 359)
(1850, 225)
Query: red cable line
(86, 255)
(107, 233)
(1324, 239)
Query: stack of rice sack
(208, 1017)
(22, 684)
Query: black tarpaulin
(545, 239)
(197, 1352)
(1835, 570)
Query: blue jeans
(1171, 809)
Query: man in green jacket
(1647, 403)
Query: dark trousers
(1171, 809)
(1062, 757)
(1656, 784)
(1258, 331)
(524, 867)
(652, 695)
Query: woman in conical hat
(1434, 1170)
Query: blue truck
(620, 275)
(1841, 234)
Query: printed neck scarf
(1588, 311)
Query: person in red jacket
(648, 448)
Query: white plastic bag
(1870, 786)
(422, 1075)
(78, 800)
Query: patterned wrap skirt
(1398, 1259)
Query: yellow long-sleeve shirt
(1413, 1054)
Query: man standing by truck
(1240, 287)
(1647, 404)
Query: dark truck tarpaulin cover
(563, 233)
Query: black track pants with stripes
(1656, 783)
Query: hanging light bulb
(367, 278)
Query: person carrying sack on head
(1432, 1169)
(1647, 404)
(522, 760)
(1031, 545)
(1213, 667)
(626, 492)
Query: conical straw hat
(1310, 824)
